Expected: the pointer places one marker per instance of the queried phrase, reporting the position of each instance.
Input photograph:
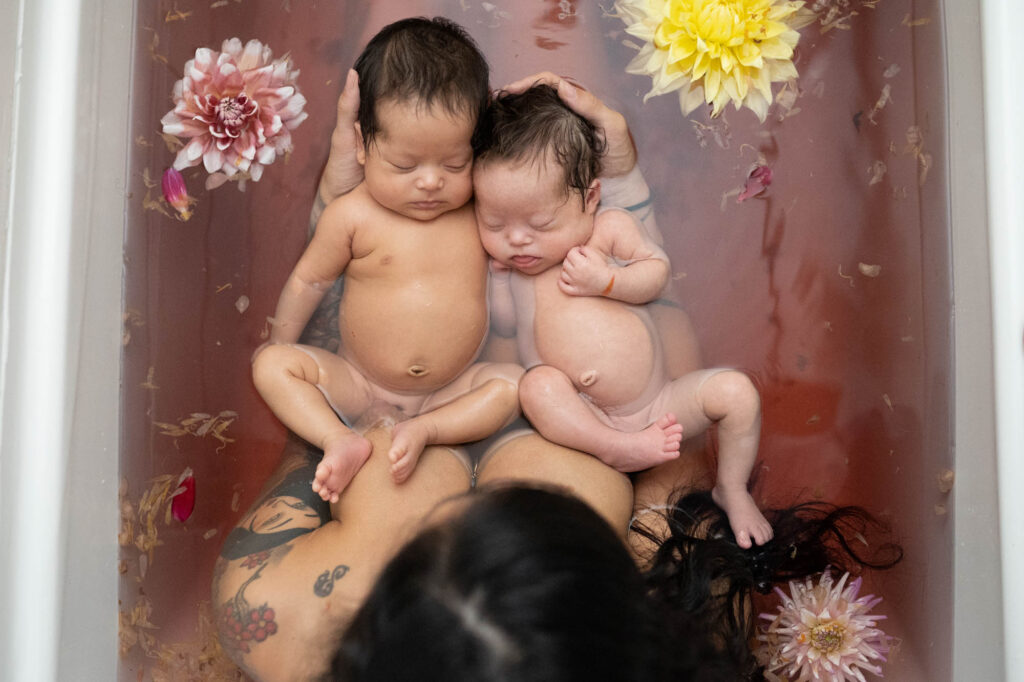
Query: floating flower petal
(237, 107)
(173, 185)
(823, 632)
(758, 179)
(183, 499)
(715, 51)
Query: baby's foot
(408, 439)
(344, 455)
(657, 444)
(746, 520)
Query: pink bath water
(831, 287)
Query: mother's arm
(289, 577)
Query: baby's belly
(606, 348)
(412, 339)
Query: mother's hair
(529, 585)
(524, 585)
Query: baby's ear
(360, 147)
(593, 197)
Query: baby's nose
(430, 180)
(519, 236)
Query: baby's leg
(304, 386)
(556, 410)
(728, 398)
(478, 403)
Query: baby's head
(535, 178)
(423, 85)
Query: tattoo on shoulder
(243, 625)
(324, 584)
(290, 509)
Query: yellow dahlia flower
(715, 51)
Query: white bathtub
(63, 191)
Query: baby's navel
(418, 371)
(588, 378)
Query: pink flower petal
(183, 500)
(215, 180)
(758, 179)
(173, 186)
(213, 159)
(266, 156)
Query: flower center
(827, 637)
(714, 22)
(718, 22)
(234, 111)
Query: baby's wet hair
(534, 126)
(429, 62)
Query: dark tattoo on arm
(322, 329)
(314, 215)
(324, 584)
(241, 625)
(288, 510)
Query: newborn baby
(571, 281)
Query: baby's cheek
(490, 242)
(463, 187)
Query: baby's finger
(575, 256)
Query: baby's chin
(424, 211)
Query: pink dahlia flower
(237, 107)
(822, 632)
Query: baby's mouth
(522, 262)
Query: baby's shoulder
(350, 211)
(611, 222)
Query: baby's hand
(585, 272)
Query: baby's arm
(320, 265)
(587, 272)
(631, 193)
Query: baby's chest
(411, 254)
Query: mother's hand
(343, 171)
(620, 150)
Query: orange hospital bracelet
(608, 289)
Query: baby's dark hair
(426, 61)
(529, 126)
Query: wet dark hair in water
(429, 62)
(698, 577)
(530, 585)
(536, 126)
